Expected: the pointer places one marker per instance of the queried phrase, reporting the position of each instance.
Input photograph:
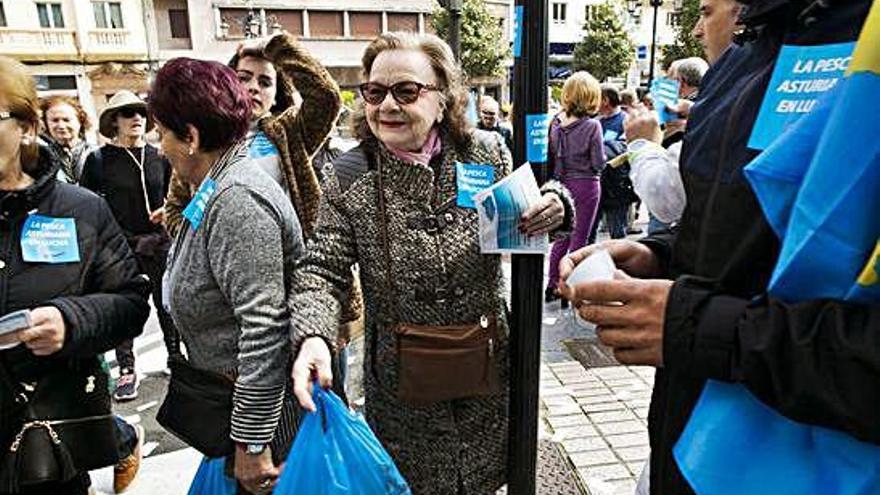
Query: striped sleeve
(255, 413)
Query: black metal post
(656, 4)
(530, 99)
(455, 30)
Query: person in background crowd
(380, 210)
(133, 178)
(576, 157)
(78, 309)
(689, 73)
(610, 114)
(489, 120)
(628, 100)
(234, 322)
(67, 122)
(697, 306)
(647, 101)
(504, 119)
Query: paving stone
(611, 416)
(596, 399)
(634, 454)
(563, 410)
(637, 403)
(603, 406)
(554, 392)
(629, 383)
(641, 412)
(623, 487)
(636, 469)
(573, 432)
(584, 444)
(628, 439)
(620, 427)
(571, 420)
(593, 458)
(566, 365)
(562, 400)
(612, 373)
(606, 472)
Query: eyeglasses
(130, 112)
(404, 93)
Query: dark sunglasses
(130, 112)
(404, 93)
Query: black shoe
(550, 295)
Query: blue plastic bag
(336, 453)
(210, 479)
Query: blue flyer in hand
(665, 93)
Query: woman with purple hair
(230, 262)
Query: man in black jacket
(699, 308)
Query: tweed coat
(448, 447)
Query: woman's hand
(544, 216)
(46, 334)
(313, 359)
(255, 472)
(158, 216)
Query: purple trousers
(586, 194)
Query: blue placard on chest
(195, 210)
(471, 179)
(801, 76)
(49, 240)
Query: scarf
(430, 149)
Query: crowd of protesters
(261, 248)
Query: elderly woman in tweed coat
(413, 133)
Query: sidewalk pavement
(599, 415)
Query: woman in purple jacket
(577, 158)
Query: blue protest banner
(517, 30)
(537, 137)
(665, 93)
(802, 74)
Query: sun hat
(122, 99)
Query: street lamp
(632, 6)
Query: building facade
(86, 48)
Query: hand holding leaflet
(500, 208)
(11, 323)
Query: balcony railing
(39, 43)
(113, 39)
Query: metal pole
(455, 31)
(656, 6)
(530, 98)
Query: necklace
(140, 167)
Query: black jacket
(102, 297)
(817, 361)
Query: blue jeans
(655, 225)
(616, 218)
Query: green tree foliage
(483, 50)
(685, 45)
(605, 50)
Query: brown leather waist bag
(439, 363)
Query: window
(560, 15)
(290, 20)
(365, 24)
(403, 22)
(589, 12)
(673, 19)
(179, 21)
(2, 16)
(55, 83)
(324, 24)
(108, 15)
(50, 15)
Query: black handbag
(198, 408)
(64, 427)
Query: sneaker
(127, 469)
(126, 386)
